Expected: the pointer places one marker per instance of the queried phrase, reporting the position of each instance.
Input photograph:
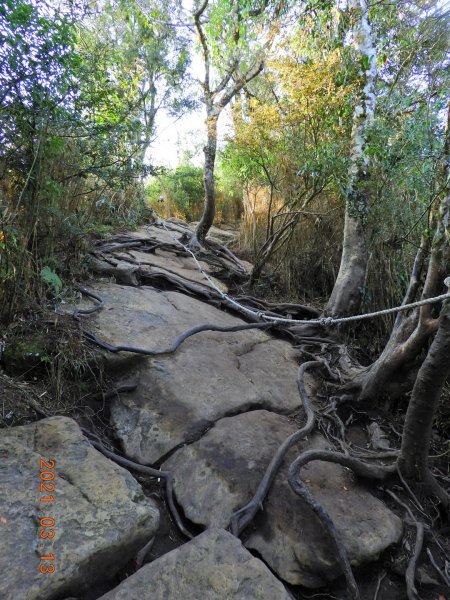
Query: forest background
(82, 85)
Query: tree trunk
(387, 374)
(210, 150)
(413, 459)
(346, 296)
(411, 332)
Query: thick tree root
(244, 516)
(241, 518)
(360, 468)
(223, 258)
(210, 251)
(283, 308)
(178, 340)
(300, 489)
(444, 577)
(88, 311)
(140, 557)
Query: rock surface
(210, 376)
(181, 266)
(220, 473)
(102, 517)
(213, 566)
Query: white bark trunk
(346, 295)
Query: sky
(174, 136)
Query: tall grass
(306, 266)
(47, 213)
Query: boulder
(220, 473)
(213, 566)
(101, 516)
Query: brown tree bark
(209, 150)
(414, 452)
(216, 98)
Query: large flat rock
(211, 375)
(213, 566)
(220, 473)
(102, 518)
(151, 318)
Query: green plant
(51, 278)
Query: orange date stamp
(46, 487)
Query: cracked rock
(101, 516)
(210, 376)
(214, 566)
(220, 473)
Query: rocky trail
(203, 415)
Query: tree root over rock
(164, 475)
(243, 517)
(178, 340)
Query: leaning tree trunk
(413, 459)
(411, 332)
(346, 296)
(210, 150)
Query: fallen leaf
(3, 520)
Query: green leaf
(51, 278)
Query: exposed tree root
(360, 468)
(178, 340)
(300, 489)
(211, 252)
(225, 255)
(377, 589)
(411, 570)
(444, 577)
(140, 557)
(88, 311)
(165, 475)
(241, 518)
(223, 258)
(283, 308)
(245, 515)
(121, 389)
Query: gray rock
(123, 272)
(180, 266)
(220, 473)
(102, 517)
(213, 566)
(148, 317)
(210, 376)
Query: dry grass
(306, 267)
